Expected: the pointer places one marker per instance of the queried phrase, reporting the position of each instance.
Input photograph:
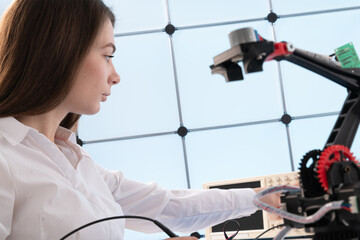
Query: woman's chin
(91, 111)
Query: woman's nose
(114, 77)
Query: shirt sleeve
(180, 210)
(7, 199)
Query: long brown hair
(42, 43)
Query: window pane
(320, 33)
(304, 138)
(307, 92)
(237, 153)
(138, 15)
(287, 7)
(158, 159)
(206, 99)
(145, 99)
(189, 12)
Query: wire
(269, 229)
(294, 217)
(281, 235)
(224, 229)
(157, 223)
(346, 208)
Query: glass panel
(307, 92)
(320, 33)
(206, 99)
(138, 15)
(145, 99)
(189, 12)
(158, 159)
(240, 152)
(304, 138)
(287, 7)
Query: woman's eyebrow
(110, 45)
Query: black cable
(277, 226)
(224, 229)
(197, 235)
(157, 223)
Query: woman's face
(95, 76)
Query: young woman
(55, 64)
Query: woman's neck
(46, 123)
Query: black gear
(308, 175)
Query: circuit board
(347, 56)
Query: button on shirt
(46, 192)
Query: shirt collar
(65, 134)
(14, 131)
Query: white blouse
(45, 193)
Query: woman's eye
(108, 57)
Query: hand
(182, 238)
(271, 199)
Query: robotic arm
(327, 175)
(253, 50)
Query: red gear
(330, 155)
